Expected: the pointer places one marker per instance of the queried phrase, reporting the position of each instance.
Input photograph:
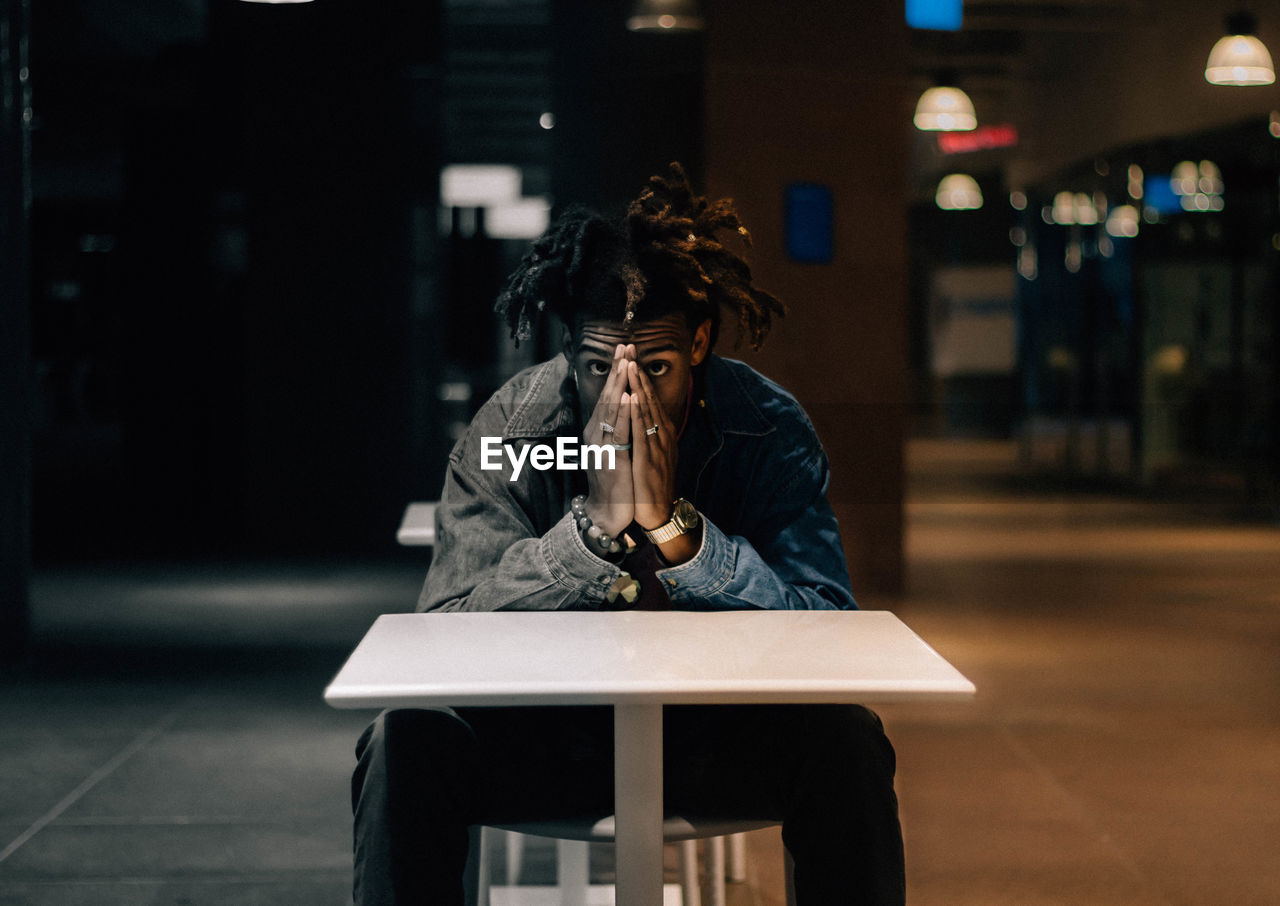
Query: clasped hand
(641, 485)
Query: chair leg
(515, 855)
(737, 859)
(571, 871)
(715, 869)
(475, 882)
(690, 883)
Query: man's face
(666, 350)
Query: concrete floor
(166, 743)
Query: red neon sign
(979, 139)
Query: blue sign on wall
(940, 15)
(1157, 192)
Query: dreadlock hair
(663, 256)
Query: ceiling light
(945, 108)
(958, 192)
(666, 15)
(1240, 58)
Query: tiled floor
(166, 743)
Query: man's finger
(607, 406)
(654, 413)
(639, 445)
(622, 423)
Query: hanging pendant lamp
(945, 108)
(958, 192)
(1239, 58)
(666, 15)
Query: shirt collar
(730, 407)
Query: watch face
(686, 514)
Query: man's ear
(566, 341)
(701, 342)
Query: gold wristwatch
(684, 518)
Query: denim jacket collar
(548, 406)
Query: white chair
(573, 839)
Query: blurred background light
(1086, 213)
(1028, 265)
(478, 185)
(1185, 177)
(1170, 359)
(1004, 135)
(1210, 181)
(525, 218)
(1072, 257)
(1064, 208)
(1135, 181)
(1123, 221)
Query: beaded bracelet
(596, 540)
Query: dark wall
(626, 103)
(246, 189)
(336, 160)
(15, 359)
(819, 98)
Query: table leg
(637, 784)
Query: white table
(637, 661)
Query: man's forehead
(659, 331)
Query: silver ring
(623, 447)
(653, 430)
(606, 427)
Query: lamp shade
(945, 108)
(958, 192)
(666, 15)
(1240, 58)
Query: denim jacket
(749, 460)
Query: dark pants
(824, 771)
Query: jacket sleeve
(489, 555)
(795, 562)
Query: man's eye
(658, 369)
(597, 368)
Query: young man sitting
(716, 499)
